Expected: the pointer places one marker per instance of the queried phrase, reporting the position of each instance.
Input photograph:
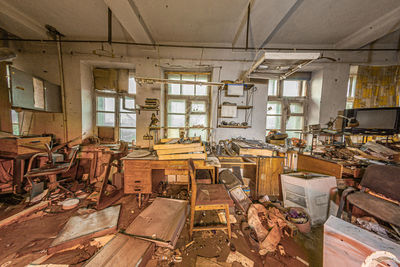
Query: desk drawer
(137, 188)
(136, 164)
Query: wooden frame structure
(220, 203)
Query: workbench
(138, 171)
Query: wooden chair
(208, 197)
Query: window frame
(285, 101)
(189, 99)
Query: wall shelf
(233, 126)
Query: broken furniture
(346, 244)
(309, 191)
(84, 227)
(161, 222)
(138, 172)
(207, 197)
(380, 192)
(20, 149)
(51, 171)
(123, 251)
(234, 186)
(318, 165)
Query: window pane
(198, 106)
(105, 119)
(176, 120)
(198, 132)
(272, 87)
(129, 103)
(295, 123)
(187, 89)
(132, 85)
(274, 122)
(291, 88)
(274, 107)
(105, 103)
(174, 89)
(174, 77)
(15, 129)
(173, 133)
(202, 78)
(14, 116)
(296, 107)
(127, 134)
(177, 106)
(201, 89)
(127, 119)
(293, 134)
(197, 120)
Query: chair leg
(192, 210)
(228, 221)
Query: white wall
(328, 84)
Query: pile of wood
(181, 151)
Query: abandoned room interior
(200, 133)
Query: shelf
(233, 126)
(241, 107)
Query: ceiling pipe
(202, 46)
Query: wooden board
(256, 152)
(180, 150)
(183, 156)
(24, 213)
(268, 175)
(84, 227)
(123, 251)
(174, 146)
(164, 227)
(21, 146)
(311, 164)
(348, 245)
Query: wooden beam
(5, 110)
(180, 150)
(183, 156)
(130, 18)
(373, 31)
(7, 9)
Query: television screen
(376, 119)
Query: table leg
(19, 169)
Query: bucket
(302, 222)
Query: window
(351, 90)
(115, 110)
(15, 122)
(286, 106)
(187, 105)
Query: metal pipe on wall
(62, 83)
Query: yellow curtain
(377, 87)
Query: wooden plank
(163, 227)
(123, 251)
(81, 228)
(183, 156)
(176, 172)
(346, 244)
(5, 110)
(174, 146)
(180, 150)
(311, 164)
(24, 213)
(256, 152)
(269, 170)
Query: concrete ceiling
(312, 22)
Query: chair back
(192, 173)
(383, 179)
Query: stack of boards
(181, 151)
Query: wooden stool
(208, 197)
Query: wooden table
(138, 172)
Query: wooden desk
(138, 171)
